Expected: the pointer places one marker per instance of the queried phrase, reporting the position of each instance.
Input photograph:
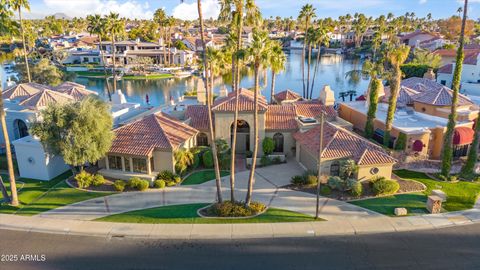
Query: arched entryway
(243, 136)
(278, 139)
(202, 139)
(20, 129)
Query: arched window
(278, 139)
(202, 139)
(20, 129)
(335, 168)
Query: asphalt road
(452, 248)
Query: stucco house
(470, 81)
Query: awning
(417, 146)
(463, 135)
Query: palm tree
(11, 172)
(320, 38)
(277, 62)
(306, 14)
(97, 25)
(397, 56)
(209, 107)
(114, 26)
(17, 5)
(160, 17)
(259, 51)
(447, 153)
(360, 25)
(237, 13)
(170, 22)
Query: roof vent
(307, 120)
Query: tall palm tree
(160, 17)
(447, 153)
(320, 38)
(306, 14)
(11, 172)
(397, 56)
(277, 62)
(209, 106)
(259, 51)
(97, 25)
(237, 13)
(18, 5)
(170, 23)
(115, 26)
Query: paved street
(450, 248)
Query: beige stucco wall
(288, 141)
(163, 160)
(224, 120)
(364, 172)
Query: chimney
(429, 75)
(223, 91)
(201, 93)
(327, 97)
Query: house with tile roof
(423, 108)
(470, 81)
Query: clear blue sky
(284, 8)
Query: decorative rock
(401, 211)
(434, 204)
(439, 193)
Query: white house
(470, 81)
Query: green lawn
(149, 77)
(187, 213)
(460, 195)
(3, 163)
(91, 73)
(415, 203)
(201, 177)
(39, 196)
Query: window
(335, 169)
(443, 82)
(127, 164)
(115, 163)
(139, 165)
(202, 139)
(152, 164)
(278, 139)
(374, 170)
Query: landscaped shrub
(235, 209)
(347, 168)
(248, 154)
(171, 183)
(268, 146)
(225, 162)
(177, 179)
(165, 175)
(356, 189)
(207, 159)
(325, 190)
(119, 185)
(138, 184)
(277, 160)
(297, 180)
(98, 180)
(196, 160)
(385, 187)
(183, 159)
(159, 184)
(84, 179)
(311, 180)
(265, 161)
(335, 182)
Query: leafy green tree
(268, 146)
(447, 154)
(80, 132)
(183, 159)
(44, 72)
(180, 45)
(472, 158)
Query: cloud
(81, 8)
(188, 11)
(421, 2)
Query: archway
(20, 129)
(243, 136)
(278, 139)
(202, 139)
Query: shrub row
(85, 179)
(235, 209)
(169, 178)
(354, 187)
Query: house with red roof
(470, 80)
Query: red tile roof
(313, 108)
(198, 115)
(44, 98)
(446, 69)
(287, 95)
(416, 33)
(281, 117)
(142, 137)
(339, 143)
(440, 97)
(23, 90)
(245, 102)
(471, 59)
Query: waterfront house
(470, 81)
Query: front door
(243, 143)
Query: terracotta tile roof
(441, 97)
(142, 137)
(77, 93)
(281, 117)
(404, 96)
(471, 59)
(313, 108)
(67, 85)
(416, 33)
(198, 115)
(23, 91)
(339, 143)
(287, 95)
(245, 102)
(46, 97)
(446, 69)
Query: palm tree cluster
(167, 25)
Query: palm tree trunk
(447, 154)
(309, 95)
(251, 177)
(209, 108)
(305, 95)
(114, 75)
(392, 104)
(105, 69)
(24, 45)
(11, 172)
(315, 70)
(272, 89)
(165, 47)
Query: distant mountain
(60, 15)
